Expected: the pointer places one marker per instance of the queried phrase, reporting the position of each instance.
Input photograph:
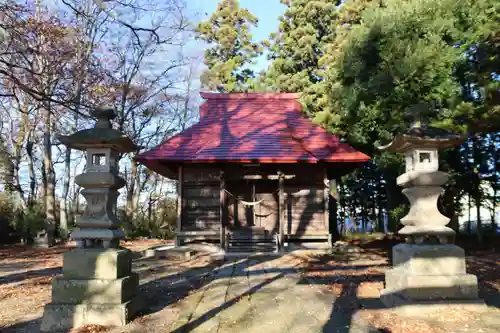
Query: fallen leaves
(25, 286)
(485, 265)
(142, 244)
(390, 322)
(369, 289)
(90, 329)
(354, 279)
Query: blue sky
(267, 11)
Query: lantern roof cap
(102, 135)
(421, 134)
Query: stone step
(251, 241)
(97, 291)
(252, 236)
(265, 242)
(251, 249)
(254, 239)
(251, 232)
(252, 245)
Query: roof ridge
(249, 95)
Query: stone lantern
(427, 269)
(97, 285)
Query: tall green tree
(231, 48)
(5, 164)
(389, 55)
(297, 49)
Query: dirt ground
(356, 278)
(26, 275)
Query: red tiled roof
(252, 128)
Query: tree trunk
(494, 210)
(131, 210)
(17, 144)
(477, 190)
(447, 208)
(469, 210)
(139, 188)
(479, 222)
(373, 212)
(76, 193)
(50, 180)
(494, 178)
(31, 172)
(64, 212)
(75, 205)
(20, 204)
(380, 215)
(393, 193)
(333, 220)
(42, 190)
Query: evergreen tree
(389, 55)
(231, 48)
(297, 48)
(404, 52)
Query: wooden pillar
(281, 207)
(333, 211)
(326, 193)
(254, 206)
(222, 211)
(180, 205)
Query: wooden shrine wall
(201, 199)
(304, 213)
(305, 206)
(263, 215)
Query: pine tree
(297, 48)
(231, 48)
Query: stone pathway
(265, 294)
(260, 295)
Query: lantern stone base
(426, 278)
(63, 317)
(97, 287)
(44, 239)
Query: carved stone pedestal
(97, 287)
(44, 239)
(429, 273)
(426, 278)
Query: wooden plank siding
(239, 215)
(202, 199)
(260, 215)
(305, 208)
(304, 202)
(266, 213)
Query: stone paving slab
(270, 295)
(256, 295)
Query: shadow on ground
(162, 292)
(21, 276)
(30, 326)
(163, 289)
